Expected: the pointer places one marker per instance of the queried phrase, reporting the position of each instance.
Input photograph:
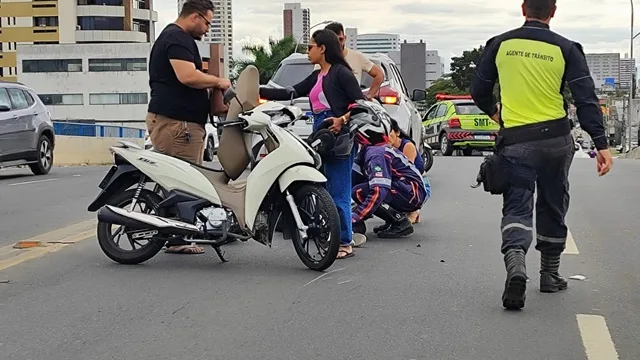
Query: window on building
(125, 64)
(100, 23)
(18, 99)
(141, 4)
(45, 21)
(118, 99)
(101, 2)
(43, 66)
(61, 99)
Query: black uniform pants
(543, 164)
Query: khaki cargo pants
(181, 139)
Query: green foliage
(443, 85)
(266, 58)
(463, 68)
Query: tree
(463, 68)
(444, 85)
(265, 58)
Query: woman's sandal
(347, 254)
(184, 249)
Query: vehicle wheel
(318, 212)
(45, 157)
(445, 145)
(427, 159)
(147, 202)
(210, 150)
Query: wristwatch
(344, 119)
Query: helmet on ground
(369, 122)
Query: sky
(449, 26)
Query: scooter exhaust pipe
(133, 220)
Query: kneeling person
(393, 188)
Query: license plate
(108, 177)
(482, 137)
(309, 121)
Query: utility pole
(631, 83)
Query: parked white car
(210, 149)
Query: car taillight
(262, 101)
(454, 122)
(388, 96)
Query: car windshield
(292, 73)
(367, 80)
(468, 109)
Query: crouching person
(391, 185)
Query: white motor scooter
(195, 204)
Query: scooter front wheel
(319, 213)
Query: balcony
(98, 36)
(100, 11)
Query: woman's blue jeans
(338, 174)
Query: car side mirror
(419, 95)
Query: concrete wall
(81, 150)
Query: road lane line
(596, 338)
(51, 242)
(32, 182)
(570, 248)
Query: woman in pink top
(331, 90)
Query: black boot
(397, 224)
(398, 229)
(550, 279)
(382, 227)
(515, 287)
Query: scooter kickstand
(220, 254)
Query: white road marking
(321, 276)
(570, 248)
(32, 182)
(596, 338)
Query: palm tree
(266, 58)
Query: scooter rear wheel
(317, 211)
(148, 202)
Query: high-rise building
(352, 38)
(221, 30)
(605, 69)
(378, 43)
(627, 69)
(433, 67)
(63, 22)
(296, 22)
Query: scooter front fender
(300, 173)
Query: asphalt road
(435, 295)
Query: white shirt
(358, 62)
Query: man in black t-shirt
(179, 106)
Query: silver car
(393, 93)
(26, 129)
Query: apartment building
(352, 38)
(605, 69)
(296, 22)
(41, 22)
(627, 69)
(378, 43)
(433, 62)
(221, 30)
